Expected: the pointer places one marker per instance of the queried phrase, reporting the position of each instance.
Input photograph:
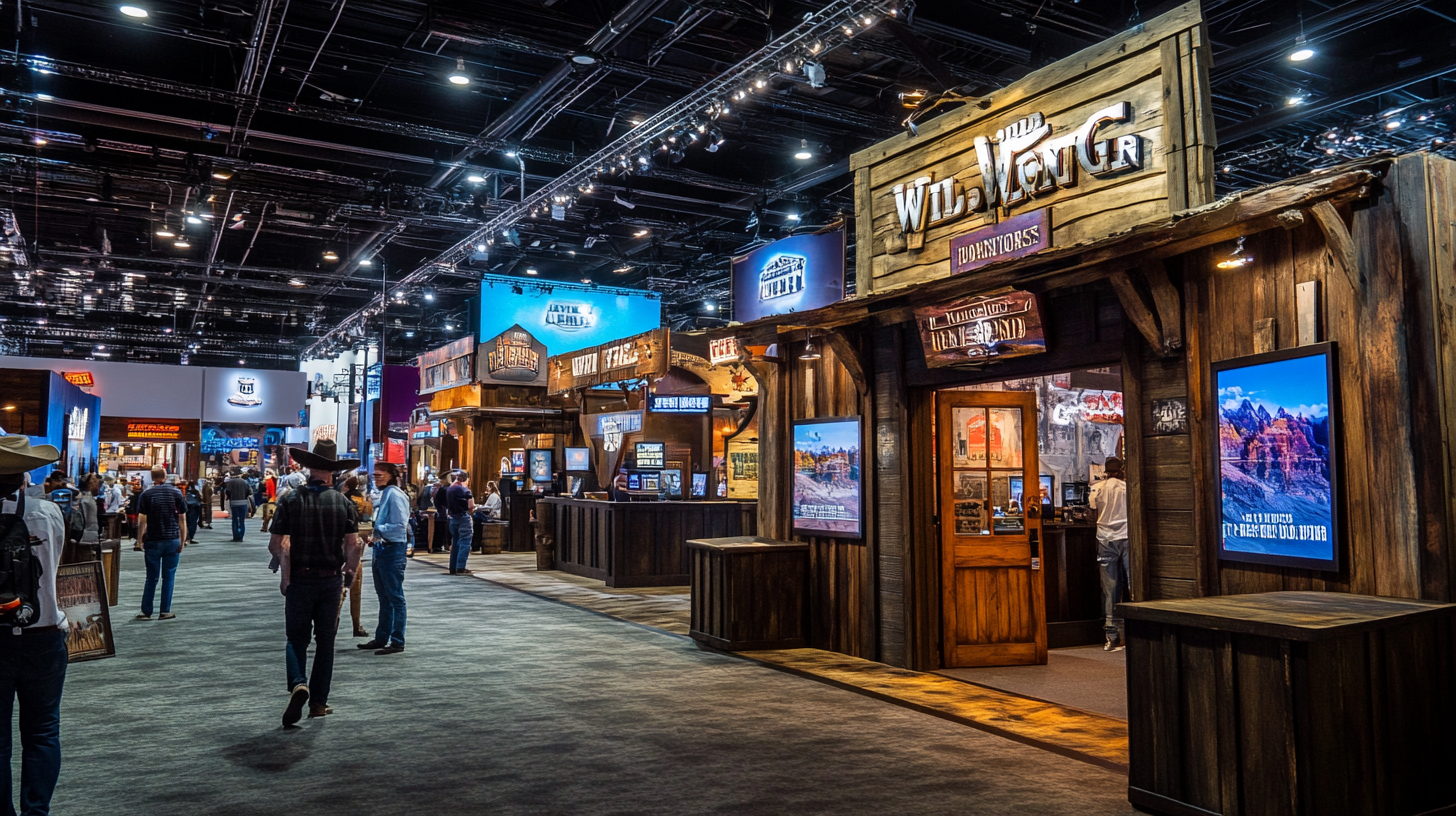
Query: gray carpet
(1083, 677)
(503, 703)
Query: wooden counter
(629, 544)
(750, 593)
(1291, 703)
(1073, 584)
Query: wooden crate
(1291, 703)
(493, 536)
(749, 593)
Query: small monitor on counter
(699, 487)
(651, 456)
(578, 460)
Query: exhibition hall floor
(503, 702)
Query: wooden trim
(1168, 303)
(1136, 308)
(1132, 435)
(848, 356)
(1339, 242)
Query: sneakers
(373, 644)
(319, 711)
(462, 572)
(294, 712)
(393, 648)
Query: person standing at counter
(460, 504)
(1109, 499)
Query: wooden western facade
(1129, 282)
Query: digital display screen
(1276, 456)
(539, 462)
(651, 482)
(634, 481)
(699, 488)
(565, 317)
(826, 491)
(792, 275)
(518, 460)
(651, 456)
(578, 460)
(680, 405)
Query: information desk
(1073, 584)
(632, 544)
(1291, 703)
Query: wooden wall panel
(887, 431)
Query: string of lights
(657, 139)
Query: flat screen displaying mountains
(1276, 459)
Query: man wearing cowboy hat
(318, 561)
(33, 658)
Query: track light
(182, 244)
(134, 11)
(804, 154)
(366, 262)
(166, 233)
(458, 76)
(330, 255)
(192, 219)
(1301, 51)
(475, 178)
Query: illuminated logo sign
(152, 430)
(77, 428)
(680, 405)
(782, 276)
(570, 315)
(1020, 162)
(513, 353)
(247, 394)
(981, 328)
(723, 350)
(228, 444)
(81, 378)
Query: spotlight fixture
(134, 11)
(584, 58)
(1237, 258)
(642, 233)
(1295, 100)
(449, 327)
(912, 99)
(1392, 124)
(39, 140)
(242, 361)
(530, 270)
(586, 281)
(330, 255)
(710, 306)
(222, 175)
(804, 154)
(792, 216)
(366, 261)
(458, 76)
(296, 283)
(1301, 51)
(622, 270)
(475, 178)
(409, 334)
(166, 233)
(811, 352)
(192, 219)
(182, 244)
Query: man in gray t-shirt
(240, 502)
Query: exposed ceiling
(304, 139)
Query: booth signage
(374, 381)
(1013, 238)
(152, 430)
(723, 350)
(635, 357)
(81, 378)
(447, 366)
(651, 456)
(228, 444)
(980, 329)
(79, 421)
(791, 275)
(660, 404)
(564, 317)
(622, 422)
(514, 357)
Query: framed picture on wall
(1277, 458)
(827, 495)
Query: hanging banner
(981, 329)
(645, 355)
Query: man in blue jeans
(32, 657)
(161, 518)
(240, 502)
(391, 538)
(460, 504)
(321, 554)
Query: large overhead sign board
(565, 317)
(792, 275)
(645, 355)
(1117, 135)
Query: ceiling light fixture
(182, 244)
(1237, 258)
(429, 295)
(39, 140)
(296, 283)
(1294, 100)
(366, 261)
(1301, 51)
(475, 178)
(330, 255)
(222, 175)
(166, 233)
(192, 219)
(530, 270)
(810, 351)
(134, 11)
(793, 216)
(804, 154)
(458, 76)
(584, 58)
(1392, 124)
(642, 233)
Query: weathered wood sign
(1117, 135)
(981, 329)
(643, 355)
(514, 357)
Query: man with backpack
(32, 626)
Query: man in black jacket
(441, 540)
(240, 501)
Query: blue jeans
(388, 568)
(33, 670)
(194, 515)
(312, 609)
(462, 529)
(162, 558)
(239, 511)
(1112, 559)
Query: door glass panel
(971, 517)
(1007, 518)
(1005, 438)
(968, 437)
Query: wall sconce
(1237, 258)
(811, 351)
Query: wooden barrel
(493, 537)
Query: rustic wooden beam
(1137, 309)
(849, 357)
(1169, 305)
(1338, 241)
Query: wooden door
(993, 602)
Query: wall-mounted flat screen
(699, 488)
(518, 461)
(651, 456)
(578, 460)
(538, 463)
(826, 492)
(672, 483)
(1276, 451)
(792, 275)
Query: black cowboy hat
(323, 457)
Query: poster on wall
(1277, 476)
(742, 469)
(792, 275)
(826, 492)
(539, 465)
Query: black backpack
(20, 569)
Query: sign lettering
(81, 378)
(152, 430)
(680, 405)
(570, 315)
(723, 350)
(584, 365)
(1012, 238)
(978, 329)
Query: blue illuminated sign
(680, 405)
(565, 317)
(228, 444)
(793, 275)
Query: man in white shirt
(33, 656)
(115, 499)
(1109, 499)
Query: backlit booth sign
(228, 444)
(447, 366)
(980, 329)
(81, 378)
(514, 357)
(792, 275)
(564, 317)
(659, 404)
(153, 430)
(79, 421)
(253, 396)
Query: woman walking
(391, 539)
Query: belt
(310, 572)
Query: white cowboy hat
(18, 456)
